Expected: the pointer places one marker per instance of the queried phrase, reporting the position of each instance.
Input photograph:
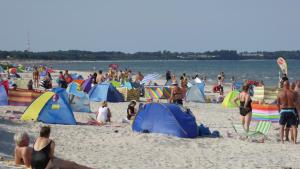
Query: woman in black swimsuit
(43, 150)
(245, 107)
(43, 154)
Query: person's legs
(66, 164)
(294, 134)
(247, 121)
(281, 133)
(287, 132)
(243, 120)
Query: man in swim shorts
(286, 102)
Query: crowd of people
(116, 75)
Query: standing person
(286, 103)
(245, 107)
(222, 77)
(168, 75)
(282, 80)
(173, 78)
(36, 77)
(94, 79)
(220, 83)
(129, 75)
(104, 114)
(176, 94)
(184, 80)
(67, 77)
(139, 77)
(184, 83)
(233, 83)
(61, 80)
(100, 77)
(297, 91)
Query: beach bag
(203, 130)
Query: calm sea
(266, 70)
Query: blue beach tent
(51, 107)
(169, 119)
(105, 92)
(3, 96)
(196, 93)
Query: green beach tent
(228, 100)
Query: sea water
(266, 70)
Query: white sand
(119, 147)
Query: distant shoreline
(127, 60)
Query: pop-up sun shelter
(228, 100)
(78, 100)
(196, 93)
(167, 119)
(105, 92)
(3, 96)
(51, 107)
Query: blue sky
(150, 25)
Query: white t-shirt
(102, 114)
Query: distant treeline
(160, 55)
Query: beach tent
(78, 100)
(168, 83)
(51, 107)
(169, 119)
(1, 70)
(3, 96)
(76, 76)
(116, 84)
(81, 104)
(228, 100)
(5, 84)
(74, 89)
(87, 85)
(105, 92)
(196, 93)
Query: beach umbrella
(114, 66)
(13, 70)
(150, 77)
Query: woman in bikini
(176, 94)
(245, 107)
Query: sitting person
(22, 151)
(104, 114)
(220, 98)
(30, 85)
(131, 112)
(43, 158)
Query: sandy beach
(117, 146)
